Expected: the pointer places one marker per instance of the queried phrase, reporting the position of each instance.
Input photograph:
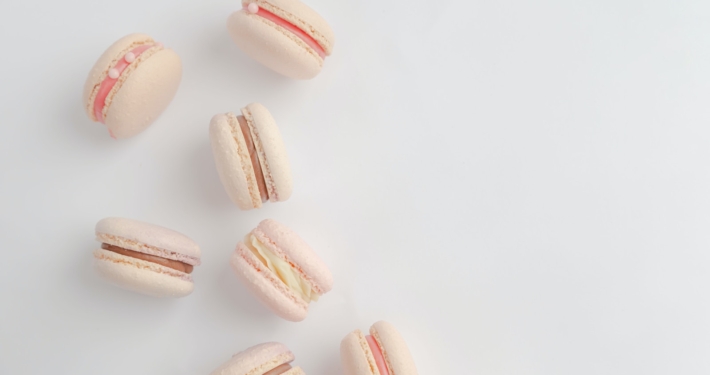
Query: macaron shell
(107, 60)
(145, 94)
(272, 152)
(294, 371)
(302, 16)
(231, 163)
(256, 360)
(266, 286)
(297, 252)
(273, 46)
(394, 349)
(150, 234)
(139, 276)
(355, 355)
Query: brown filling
(254, 158)
(174, 264)
(279, 370)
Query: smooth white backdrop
(521, 187)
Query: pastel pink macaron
(281, 269)
(250, 157)
(285, 35)
(131, 84)
(145, 258)
(382, 352)
(270, 358)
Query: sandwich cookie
(281, 270)
(250, 157)
(131, 85)
(270, 358)
(285, 35)
(382, 352)
(145, 258)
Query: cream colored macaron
(131, 84)
(250, 157)
(280, 269)
(145, 258)
(285, 35)
(382, 352)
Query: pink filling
(377, 353)
(290, 27)
(108, 83)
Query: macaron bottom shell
(140, 276)
(383, 348)
(144, 95)
(273, 46)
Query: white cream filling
(281, 269)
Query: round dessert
(145, 258)
(382, 352)
(131, 85)
(270, 358)
(250, 156)
(281, 270)
(285, 35)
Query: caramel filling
(174, 264)
(279, 370)
(254, 158)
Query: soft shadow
(235, 298)
(202, 179)
(330, 366)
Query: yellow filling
(282, 269)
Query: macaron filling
(255, 9)
(258, 173)
(174, 264)
(377, 354)
(281, 268)
(279, 370)
(113, 76)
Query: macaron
(281, 269)
(145, 258)
(250, 157)
(382, 352)
(131, 84)
(285, 35)
(271, 358)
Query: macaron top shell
(148, 238)
(272, 152)
(394, 349)
(275, 46)
(258, 360)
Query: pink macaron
(131, 84)
(145, 258)
(382, 352)
(270, 358)
(250, 156)
(281, 269)
(284, 35)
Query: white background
(521, 187)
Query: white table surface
(521, 187)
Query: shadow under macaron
(236, 298)
(201, 175)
